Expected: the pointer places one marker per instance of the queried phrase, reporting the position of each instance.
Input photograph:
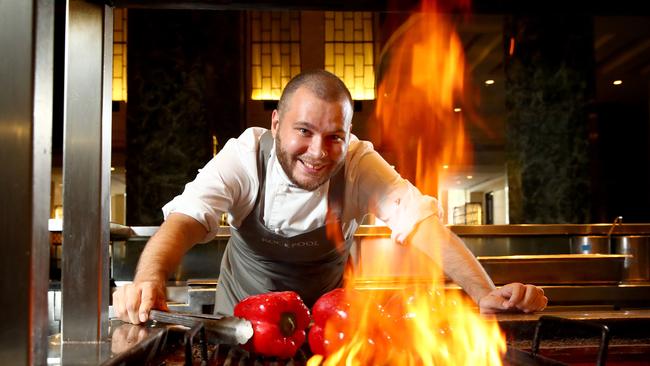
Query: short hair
(323, 84)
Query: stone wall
(549, 89)
(184, 84)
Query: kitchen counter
(628, 343)
(623, 324)
(120, 232)
(591, 313)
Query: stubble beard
(286, 160)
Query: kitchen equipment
(594, 244)
(226, 329)
(637, 265)
(590, 244)
(170, 346)
(579, 337)
(555, 269)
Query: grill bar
(600, 329)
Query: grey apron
(257, 260)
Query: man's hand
(161, 255)
(133, 302)
(513, 296)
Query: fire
(412, 322)
(417, 322)
(421, 86)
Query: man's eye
(303, 131)
(337, 138)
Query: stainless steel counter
(461, 230)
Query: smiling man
(295, 195)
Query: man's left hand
(514, 296)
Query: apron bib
(257, 260)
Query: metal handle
(226, 330)
(580, 324)
(618, 220)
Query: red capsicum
(331, 307)
(279, 321)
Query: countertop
(122, 232)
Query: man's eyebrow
(311, 126)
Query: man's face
(311, 139)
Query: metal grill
(173, 345)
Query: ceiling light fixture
(617, 82)
(489, 82)
(445, 166)
(470, 176)
(457, 109)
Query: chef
(294, 195)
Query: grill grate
(178, 346)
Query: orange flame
(415, 321)
(418, 98)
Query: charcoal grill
(175, 345)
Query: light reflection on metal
(26, 35)
(86, 172)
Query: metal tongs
(223, 329)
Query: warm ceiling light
(617, 82)
(470, 176)
(112, 168)
(445, 166)
(457, 109)
(489, 82)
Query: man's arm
(463, 268)
(162, 254)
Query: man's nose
(317, 147)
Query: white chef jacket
(229, 183)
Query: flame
(421, 85)
(415, 321)
(333, 230)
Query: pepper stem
(287, 324)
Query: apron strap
(263, 155)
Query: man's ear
(275, 122)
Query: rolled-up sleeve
(388, 196)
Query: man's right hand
(132, 302)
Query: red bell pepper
(333, 325)
(279, 321)
(331, 307)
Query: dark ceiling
(594, 7)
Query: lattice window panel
(349, 51)
(275, 52)
(119, 54)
